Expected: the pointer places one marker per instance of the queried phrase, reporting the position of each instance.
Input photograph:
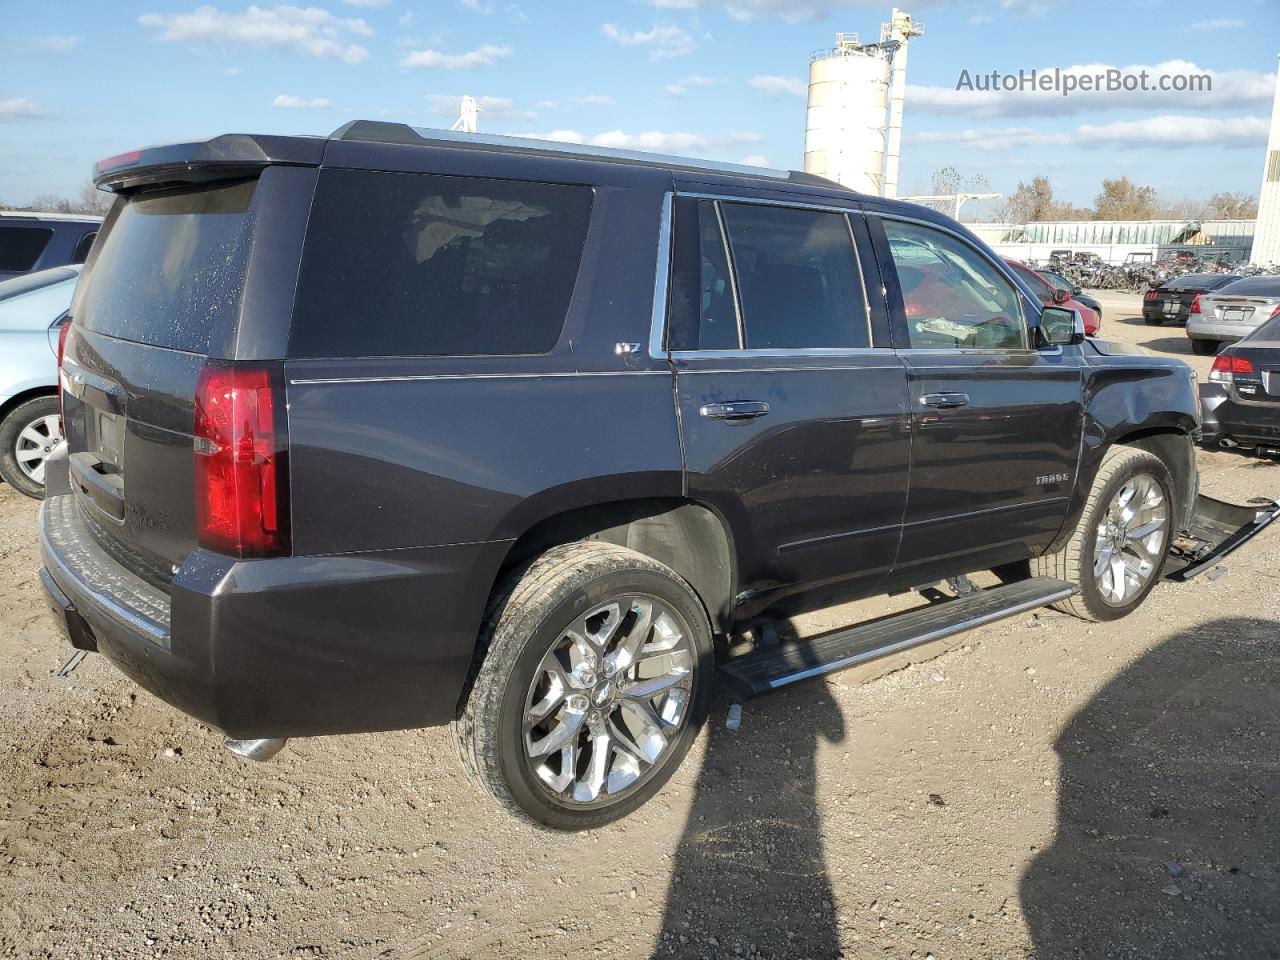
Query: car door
(995, 422)
(794, 421)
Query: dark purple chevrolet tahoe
(396, 428)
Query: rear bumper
(1245, 424)
(1217, 530)
(286, 647)
(1198, 329)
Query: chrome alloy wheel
(36, 441)
(608, 699)
(1130, 539)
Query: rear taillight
(1152, 294)
(240, 461)
(64, 331)
(1275, 313)
(1227, 366)
(1195, 303)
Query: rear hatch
(163, 294)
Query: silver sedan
(1232, 312)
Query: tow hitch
(1216, 530)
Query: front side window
(952, 296)
(409, 264)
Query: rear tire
(1110, 560)
(551, 665)
(1153, 321)
(1204, 348)
(28, 435)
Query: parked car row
(37, 241)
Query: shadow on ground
(1168, 841)
(750, 868)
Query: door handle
(945, 401)
(734, 410)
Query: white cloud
(367, 3)
(55, 44)
(478, 7)
(1226, 23)
(1228, 88)
(593, 100)
(483, 56)
(309, 30)
(664, 42)
(771, 83)
(449, 105)
(680, 87)
(1166, 132)
(978, 19)
(289, 102)
(18, 108)
(756, 160)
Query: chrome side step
(770, 669)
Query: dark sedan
(1172, 299)
(1241, 401)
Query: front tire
(1118, 549)
(596, 676)
(28, 435)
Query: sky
(721, 79)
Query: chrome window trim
(525, 375)
(661, 281)
(658, 322)
(1001, 268)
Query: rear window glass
(20, 247)
(170, 269)
(407, 264)
(1252, 287)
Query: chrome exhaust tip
(1228, 443)
(256, 749)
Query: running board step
(771, 669)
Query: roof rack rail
(41, 215)
(402, 133)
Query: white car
(31, 311)
(1232, 312)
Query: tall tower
(1266, 236)
(896, 34)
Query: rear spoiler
(1217, 529)
(231, 155)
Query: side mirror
(1060, 327)
(1060, 296)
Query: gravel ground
(1047, 788)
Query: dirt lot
(1047, 789)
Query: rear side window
(170, 269)
(20, 247)
(703, 315)
(406, 264)
(797, 274)
(81, 253)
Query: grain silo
(854, 122)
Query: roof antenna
(468, 112)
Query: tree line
(90, 200)
(1121, 199)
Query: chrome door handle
(734, 410)
(945, 401)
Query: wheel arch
(18, 399)
(686, 535)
